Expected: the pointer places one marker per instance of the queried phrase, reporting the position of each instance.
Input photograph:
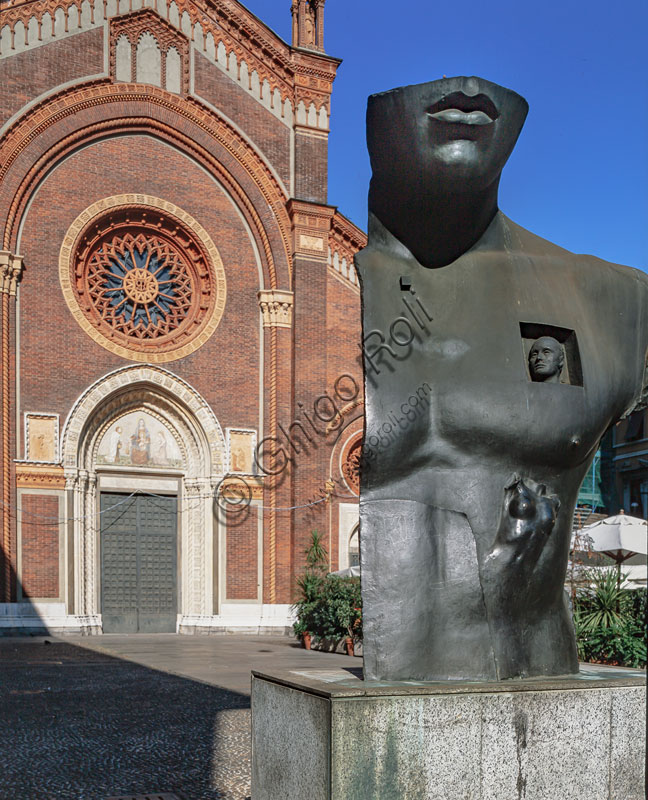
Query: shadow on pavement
(84, 725)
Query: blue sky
(579, 173)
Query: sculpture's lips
(459, 108)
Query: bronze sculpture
(546, 360)
(467, 504)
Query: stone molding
(252, 618)
(276, 307)
(313, 89)
(10, 271)
(11, 268)
(348, 464)
(133, 26)
(311, 224)
(33, 476)
(239, 489)
(42, 616)
(129, 378)
(345, 241)
(343, 412)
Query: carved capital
(276, 307)
(71, 475)
(11, 267)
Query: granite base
(328, 735)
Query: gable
(293, 86)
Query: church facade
(180, 317)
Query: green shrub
(620, 644)
(336, 611)
(309, 585)
(329, 607)
(611, 623)
(601, 606)
(340, 608)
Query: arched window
(173, 68)
(149, 61)
(354, 548)
(123, 69)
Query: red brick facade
(115, 115)
(242, 557)
(40, 546)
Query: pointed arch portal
(142, 431)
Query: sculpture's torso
(477, 406)
(455, 415)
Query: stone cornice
(346, 231)
(37, 476)
(344, 242)
(238, 491)
(311, 225)
(298, 74)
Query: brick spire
(308, 24)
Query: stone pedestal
(327, 735)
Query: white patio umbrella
(620, 537)
(349, 572)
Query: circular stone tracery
(351, 458)
(141, 286)
(145, 282)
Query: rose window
(351, 466)
(140, 286)
(144, 282)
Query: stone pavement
(87, 718)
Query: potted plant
(300, 630)
(345, 609)
(310, 585)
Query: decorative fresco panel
(41, 437)
(139, 439)
(241, 448)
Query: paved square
(88, 718)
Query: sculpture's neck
(436, 229)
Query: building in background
(625, 459)
(618, 477)
(181, 387)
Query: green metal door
(139, 566)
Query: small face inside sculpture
(546, 359)
(449, 135)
